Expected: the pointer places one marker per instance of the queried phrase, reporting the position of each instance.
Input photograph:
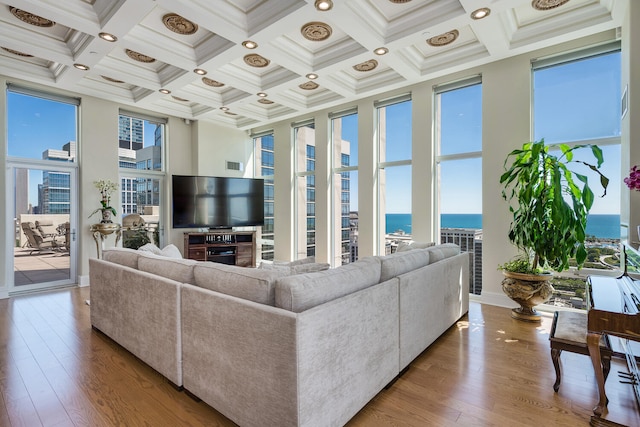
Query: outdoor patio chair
(46, 228)
(38, 243)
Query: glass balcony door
(43, 221)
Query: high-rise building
(137, 193)
(130, 132)
(265, 168)
(470, 241)
(54, 194)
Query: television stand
(224, 246)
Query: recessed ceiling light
(165, 91)
(224, 108)
(381, 51)
(200, 71)
(480, 13)
(323, 5)
(312, 76)
(108, 37)
(261, 94)
(81, 67)
(249, 44)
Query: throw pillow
(150, 247)
(171, 251)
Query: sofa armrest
(240, 357)
(139, 311)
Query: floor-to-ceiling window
(141, 142)
(264, 168)
(344, 158)
(458, 109)
(305, 187)
(42, 131)
(576, 100)
(394, 171)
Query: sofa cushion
(440, 252)
(253, 284)
(401, 262)
(408, 246)
(289, 269)
(307, 260)
(309, 268)
(180, 270)
(303, 291)
(122, 256)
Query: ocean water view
(602, 226)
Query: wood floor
(489, 370)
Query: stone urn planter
(528, 290)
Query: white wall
(215, 145)
(630, 203)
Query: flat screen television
(217, 202)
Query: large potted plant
(550, 203)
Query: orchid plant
(106, 187)
(633, 180)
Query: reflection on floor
(40, 268)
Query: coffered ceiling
(162, 44)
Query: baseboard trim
(497, 298)
(83, 281)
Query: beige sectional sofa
(268, 348)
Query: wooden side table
(101, 231)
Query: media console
(226, 247)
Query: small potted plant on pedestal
(106, 187)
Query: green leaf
(549, 202)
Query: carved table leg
(97, 236)
(555, 357)
(593, 343)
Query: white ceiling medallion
(30, 18)
(211, 82)
(443, 39)
(15, 52)
(139, 57)
(366, 65)
(178, 24)
(255, 60)
(309, 86)
(316, 31)
(547, 4)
